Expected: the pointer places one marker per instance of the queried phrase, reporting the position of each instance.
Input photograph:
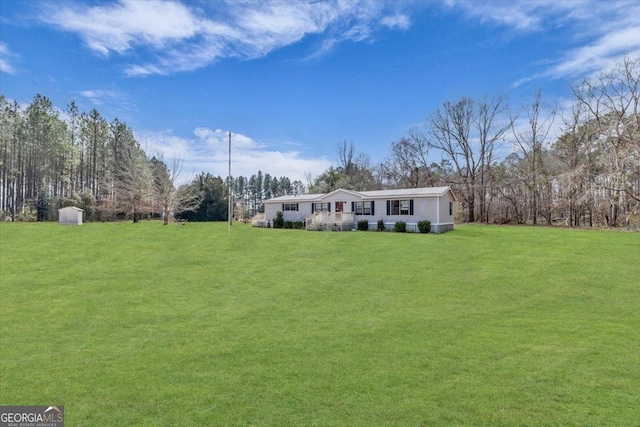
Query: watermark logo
(31, 416)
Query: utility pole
(229, 184)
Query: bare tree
(575, 178)
(172, 200)
(530, 143)
(466, 135)
(353, 171)
(129, 190)
(613, 101)
(408, 165)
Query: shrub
(27, 215)
(298, 225)
(278, 221)
(363, 225)
(424, 226)
(316, 227)
(400, 227)
(381, 226)
(288, 224)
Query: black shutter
(329, 206)
(353, 207)
(411, 207)
(283, 207)
(373, 205)
(297, 207)
(388, 207)
(313, 205)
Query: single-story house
(342, 209)
(70, 216)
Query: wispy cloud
(400, 21)
(116, 103)
(6, 59)
(118, 27)
(185, 37)
(602, 33)
(209, 151)
(599, 55)
(517, 14)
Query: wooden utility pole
(229, 185)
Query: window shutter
(373, 210)
(411, 207)
(388, 207)
(283, 207)
(297, 207)
(353, 206)
(313, 205)
(329, 206)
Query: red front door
(339, 206)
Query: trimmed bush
(298, 225)
(400, 227)
(278, 221)
(288, 224)
(363, 225)
(381, 226)
(424, 226)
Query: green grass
(143, 325)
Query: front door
(339, 206)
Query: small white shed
(70, 215)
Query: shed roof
(71, 208)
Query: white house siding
(446, 220)
(433, 207)
(304, 210)
(423, 208)
(340, 196)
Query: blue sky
(291, 80)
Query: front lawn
(144, 325)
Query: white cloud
(6, 57)
(209, 152)
(400, 21)
(599, 55)
(517, 14)
(183, 37)
(119, 27)
(602, 33)
(113, 102)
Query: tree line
(577, 167)
(47, 162)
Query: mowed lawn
(144, 325)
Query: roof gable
(348, 193)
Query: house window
(450, 208)
(363, 208)
(317, 207)
(400, 207)
(289, 206)
(404, 207)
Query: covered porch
(336, 221)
